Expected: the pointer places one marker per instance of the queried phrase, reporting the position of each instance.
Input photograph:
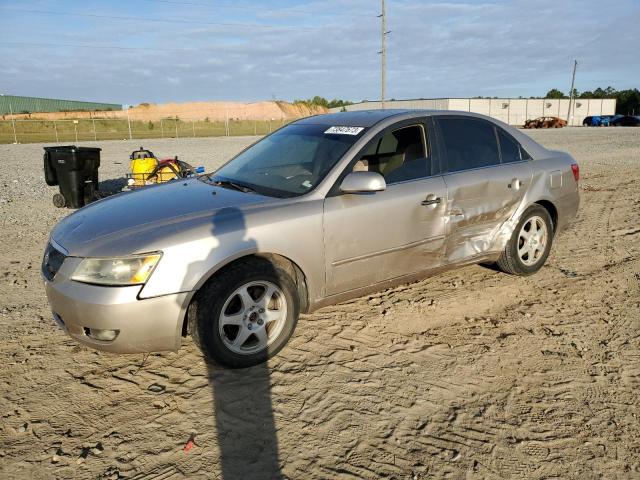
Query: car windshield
(289, 162)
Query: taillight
(576, 171)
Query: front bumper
(146, 325)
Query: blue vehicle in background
(611, 120)
(596, 121)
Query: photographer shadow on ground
(242, 405)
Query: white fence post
(193, 126)
(55, 128)
(13, 122)
(75, 127)
(176, 124)
(129, 123)
(95, 137)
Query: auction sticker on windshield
(344, 130)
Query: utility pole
(383, 52)
(573, 79)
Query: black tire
(205, 311)
(59, 200)
(509, 261)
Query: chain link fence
(65, 131)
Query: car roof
(369, 118)
(357, 118)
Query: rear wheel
(530, 244)
(245, 314)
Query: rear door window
(469, 143)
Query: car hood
(128, 222)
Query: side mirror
(363, 182)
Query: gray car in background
(323, 210)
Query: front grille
(52, 262)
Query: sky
(196, 50)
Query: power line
(260, 9)
(162, 20)
(106, 47)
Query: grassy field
(65, 131)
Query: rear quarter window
(509, 148)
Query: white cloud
(435, 49)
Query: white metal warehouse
(514, 111)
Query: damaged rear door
(487, 175)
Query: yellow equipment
(143, 163)
(165, 171)
(146, 169)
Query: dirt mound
(270, 110)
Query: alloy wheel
(252, 317)
(532, 241)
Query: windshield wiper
(233, 185)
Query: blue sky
(189, 50)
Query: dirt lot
(470, 374)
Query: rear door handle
(431, 201)
(515, 184)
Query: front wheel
(529, 245)
(246, 314)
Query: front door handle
(431, 201)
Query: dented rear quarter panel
(554, 183)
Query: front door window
(399, 155)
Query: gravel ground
(470, 374)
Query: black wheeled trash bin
(75, 171)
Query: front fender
(293, 231)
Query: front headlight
(134, 270)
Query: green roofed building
(18, 104)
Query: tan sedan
(323, 210)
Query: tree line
(323, 102)
(627, 101)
